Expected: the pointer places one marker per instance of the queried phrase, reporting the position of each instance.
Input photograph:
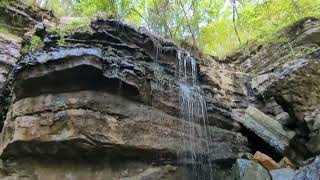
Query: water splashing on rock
(195, 155)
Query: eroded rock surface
(285, 78)
(111, 93)
(16, 18)
(19, 18)
(266, 128)
(249, 170)
(105, 103)
(282, 174)
(9, 54)
(310, 171)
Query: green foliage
(214, 26)
(61, 42)
(76, 24)
(256, 22)
(6, 32)
(34, 43)
(4, 2)
(301, 52)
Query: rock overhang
(76, 89)
(100, 123)
(110, 93)
(71, 72)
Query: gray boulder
(249, 170)
(282, 174)
(268, 129)
(309, 172)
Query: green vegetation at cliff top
(214, 26)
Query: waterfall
(195, 153)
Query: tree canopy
(214, 26)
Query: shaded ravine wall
(105, 104)
(97, 100)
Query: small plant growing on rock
(61, 42)
(64, 30)
(34, 43)
(4, 2)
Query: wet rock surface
(282, 174)
(246, 170)
(266, 161)
(16, 19)
(9, 55)
(90, 122)
(310, 171)
(53, 169)
(290, 76)
(265, 127)
(19, 18)
(106, 104)
(111, 93)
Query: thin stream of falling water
(195, 151)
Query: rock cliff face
(109, 97)
(9, 55)
(16, 19)
(287, 74)
(105, 103)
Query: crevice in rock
(77, 149)
(300, 126)
(83, 77)
(257, 144)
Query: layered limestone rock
(100, 169)
(86, 122)
(9, 54)
(104, 103)
(285, 78)
(109, 93)
(226, 89)
(16, 19)
(19, 18)
(268, 129)
(287, 71)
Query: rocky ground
(102, 102)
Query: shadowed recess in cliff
(70, 77)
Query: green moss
(34, 43)
(4, 2)
(83, 24)
(299, 52)
(61, 42)
(6, 33)
(273, 39)
(303, 51)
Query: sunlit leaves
(207, 24)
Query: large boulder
(282, 174)
(265, 127)
(266, 161)
(310, 171)
(249, 170)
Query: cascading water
(195, 153)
